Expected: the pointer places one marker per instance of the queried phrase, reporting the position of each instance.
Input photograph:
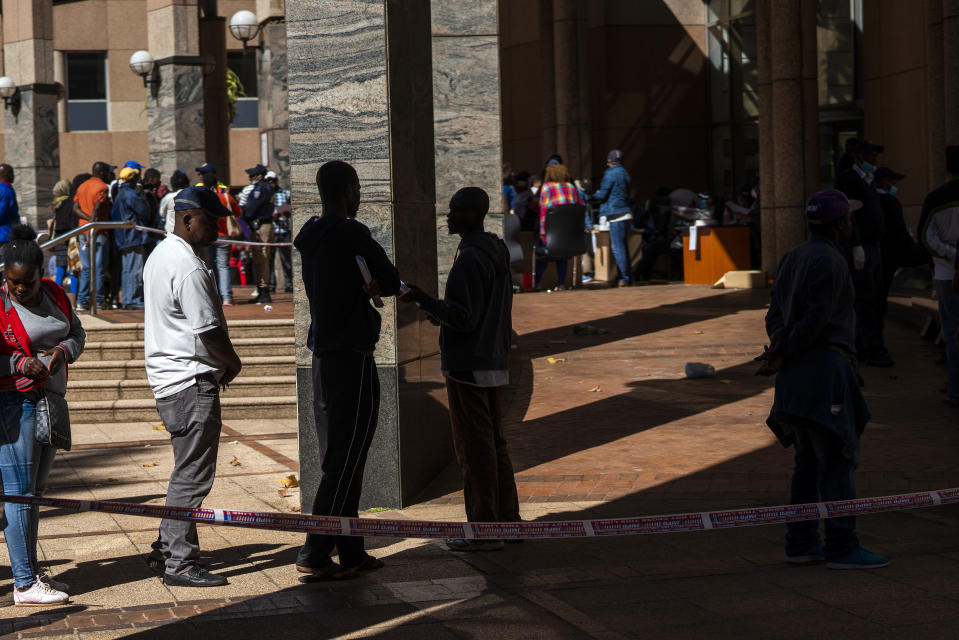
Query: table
(719, 249)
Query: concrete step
(243, 387)
(258, 366)
(272, 328)
(133, 349)
(143, 410)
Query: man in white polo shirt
(189, 358)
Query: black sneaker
(264, 297)
(195, 577)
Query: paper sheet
(693, 238)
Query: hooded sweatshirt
(476, 312)
(343, 319)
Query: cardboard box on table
(604, 264)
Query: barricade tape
(386, 528)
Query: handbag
(233, 229)
(52, 420)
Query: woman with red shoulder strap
(39, 335)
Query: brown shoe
(369, 564)
(330, 572)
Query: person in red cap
(818, 406)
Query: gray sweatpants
(192, 417)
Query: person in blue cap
(258, 214)
(189, 358)
(613, 200)
(818, 406)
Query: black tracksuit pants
(346, 401)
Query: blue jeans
(132, 259)
(62, 273)
(223, 276)
(617, 239)
(822, 474)
(560, 271)
(103, 248)
(949, 319)
(24, 467)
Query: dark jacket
(898, 247)
(259, 206)
(476, 312)
(868, 224)
(129, 206)
(613, 193)
(343, 319)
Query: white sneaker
(53, 584)
(38, 595)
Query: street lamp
(244, 26)
(142, 64)
(10, 94)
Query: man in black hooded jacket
(344, 329)
(475, 336)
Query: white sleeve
(199, 300)
(938, 247)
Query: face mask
(868, 167)
(892, 191)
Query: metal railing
(93, 227)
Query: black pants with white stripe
(346, 401)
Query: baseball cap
(828, 205)
(133, 164)
(200, 198)
(868, 147)
(615, 155)
(206, 167)
(258, 170)
(270, 174)
(886, 172)
(127, 174)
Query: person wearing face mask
(866, 255)
(897, 246)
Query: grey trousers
(192, 417)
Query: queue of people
(134, 193)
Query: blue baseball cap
(206, 168)
(133, 164)
(200, 198)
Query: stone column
(791, 110)
(31, 139)
(950, 72)
(935, 87)
(767, 181)
(568, 86)
(466, 112)
(547, 80)
(175, 107)
(274, 102)
(361, 90)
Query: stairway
(109, 382)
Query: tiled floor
(600, 425)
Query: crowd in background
(137, 194)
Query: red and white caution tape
(385, 528)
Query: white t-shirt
(182, 302)
(167, 212)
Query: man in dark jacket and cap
(475, 319)
(344, 330)
(818, 406)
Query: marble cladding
(274, 99)
(29, 61)
(175, 119)
(174, 30)
(32, 148)
(338, 96)
(466, 112)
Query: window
(247, 108)
(86, 79)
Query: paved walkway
(600, 426)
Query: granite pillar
(361, 90)
(466, 112)
(175, 106)
(273, 97)
(935, 87)
(787, 40)
(31, 136)
(547, 79)
(567, 19)
(950, 71)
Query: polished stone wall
(466, 111)
(274, 99)
(360, 90)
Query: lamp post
(143, 64)
(244, 26)
(10, 94)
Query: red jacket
(16, 339)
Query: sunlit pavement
(601, 425)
